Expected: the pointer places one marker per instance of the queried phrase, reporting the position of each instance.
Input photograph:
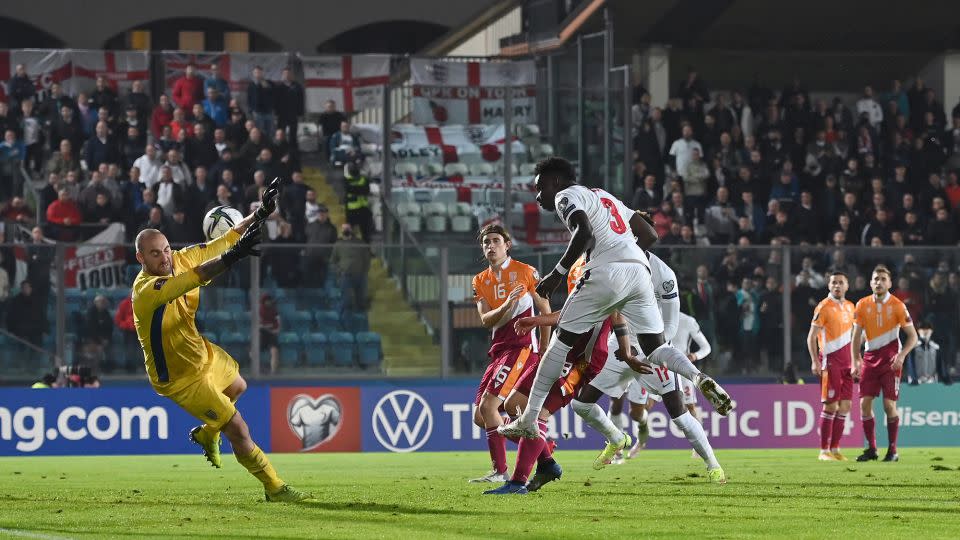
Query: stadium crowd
(766, 168)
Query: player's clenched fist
(549, 284)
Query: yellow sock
(257, 463)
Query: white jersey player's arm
(665, 289)
(703, 345)
(670, 311)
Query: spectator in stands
(261, 100)
(220, 140)
(31, 131)
(102, 212)
(250, 151)
(29, 322)
(289, 98)
(199, 150)
(236, 132)
(4, 289)
(178, 169)
(12, 153)
(104, 96)
(155, 220)
(330, 121)
(695, 177)
(224, 198)
(161, 117)
(270, 330)
(123, 319)
(216, 107)
(215, 81)
(169, 192)
(88, 114)
(101, 148)
(284, 261)
(357, 199)
(293, 205)
(663, 218)
(52, 103)
(285, 153)
(748, 302)
(17, 211)
(805, 220)
(252, 192)
(149, 164)
(648, 196)
(180, 123)
(265, 163)
(20, 87)
(200, 118)
(319, 232)
(67, 127)
(753, 212)
(941, 306)
(98, 323)
(351, 259)
(139, 101)
(682, 149)
(179, 230)
(344, 145)
(232, 186)
(942, 231)
(721, 218)
(771, 323)
(188, 89)
(952, 191)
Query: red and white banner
(236, 68)
(451, 144)
(354, 83)
(75, 70)
(472, 92)
(95, 264)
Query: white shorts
(688, 389)
(622, 286)
(615, 377)
(638, 394)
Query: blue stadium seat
(130, 273)
(286, 308)
(211, 336)
(289, 349)
(297, 321)
(342, 348)
(315, 348)
(356, 322)
(237, 345)
(241, 320)
(117, 295)
(368, 349)
(233, 295)
(234, 307)
(327, 321)
(219, 321)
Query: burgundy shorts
(504, 371)
(836, 383)
(877, 379)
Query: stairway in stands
(408, 349)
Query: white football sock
(698, 438)
(675, 361)
(549, 370)
(594, 416)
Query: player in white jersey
(617, 277)
(688, 330)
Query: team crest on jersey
(211, 414)
(159, 283)
(487, 282)
(564, 207)
(668, 285)
(513, 276)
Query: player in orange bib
(830, 359)
(504, 293)
(880, 317)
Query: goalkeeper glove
(268, 202)
(244, 247)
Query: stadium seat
(410, 216)
(241, 320)
(540, 151)
(431, 169)
(461, 217)
(220, 321)
(341, 348)
(297, 321)
(327, 321)
(287, 309)
(237, 345)
(374, 169)
(211, 336)
(527, 169)
(456, 169)
(356, 322)
(514, 171)
(404, 169)
(481, 169)
(315, 348)
(368, 349)
(233, 295)
(436, 213)
(289, 349)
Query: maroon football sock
(838, 424)
(893, 429)
(826, 429)
(870, 433)
(498, 450)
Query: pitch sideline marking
(30, 534)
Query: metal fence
(417, 315)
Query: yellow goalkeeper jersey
(164, 310)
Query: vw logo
(402, 421)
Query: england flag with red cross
(354, 82)
(447, 92)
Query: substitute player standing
(880, 317)
(830, 358)
(183, 365)
(617, 278)
(504, 293)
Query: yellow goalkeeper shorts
(203, 398)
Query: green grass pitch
(661, 494)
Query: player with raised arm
(503, 292)
(585, 361)
(183, 365)
(880, 317)
(616, 278)
(828, 342)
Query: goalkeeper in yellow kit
(183, 365)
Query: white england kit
(616, 377)
(616, 274)
(688, 331)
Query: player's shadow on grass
(379, 508)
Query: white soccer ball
(219, 220)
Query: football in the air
(219, 220)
